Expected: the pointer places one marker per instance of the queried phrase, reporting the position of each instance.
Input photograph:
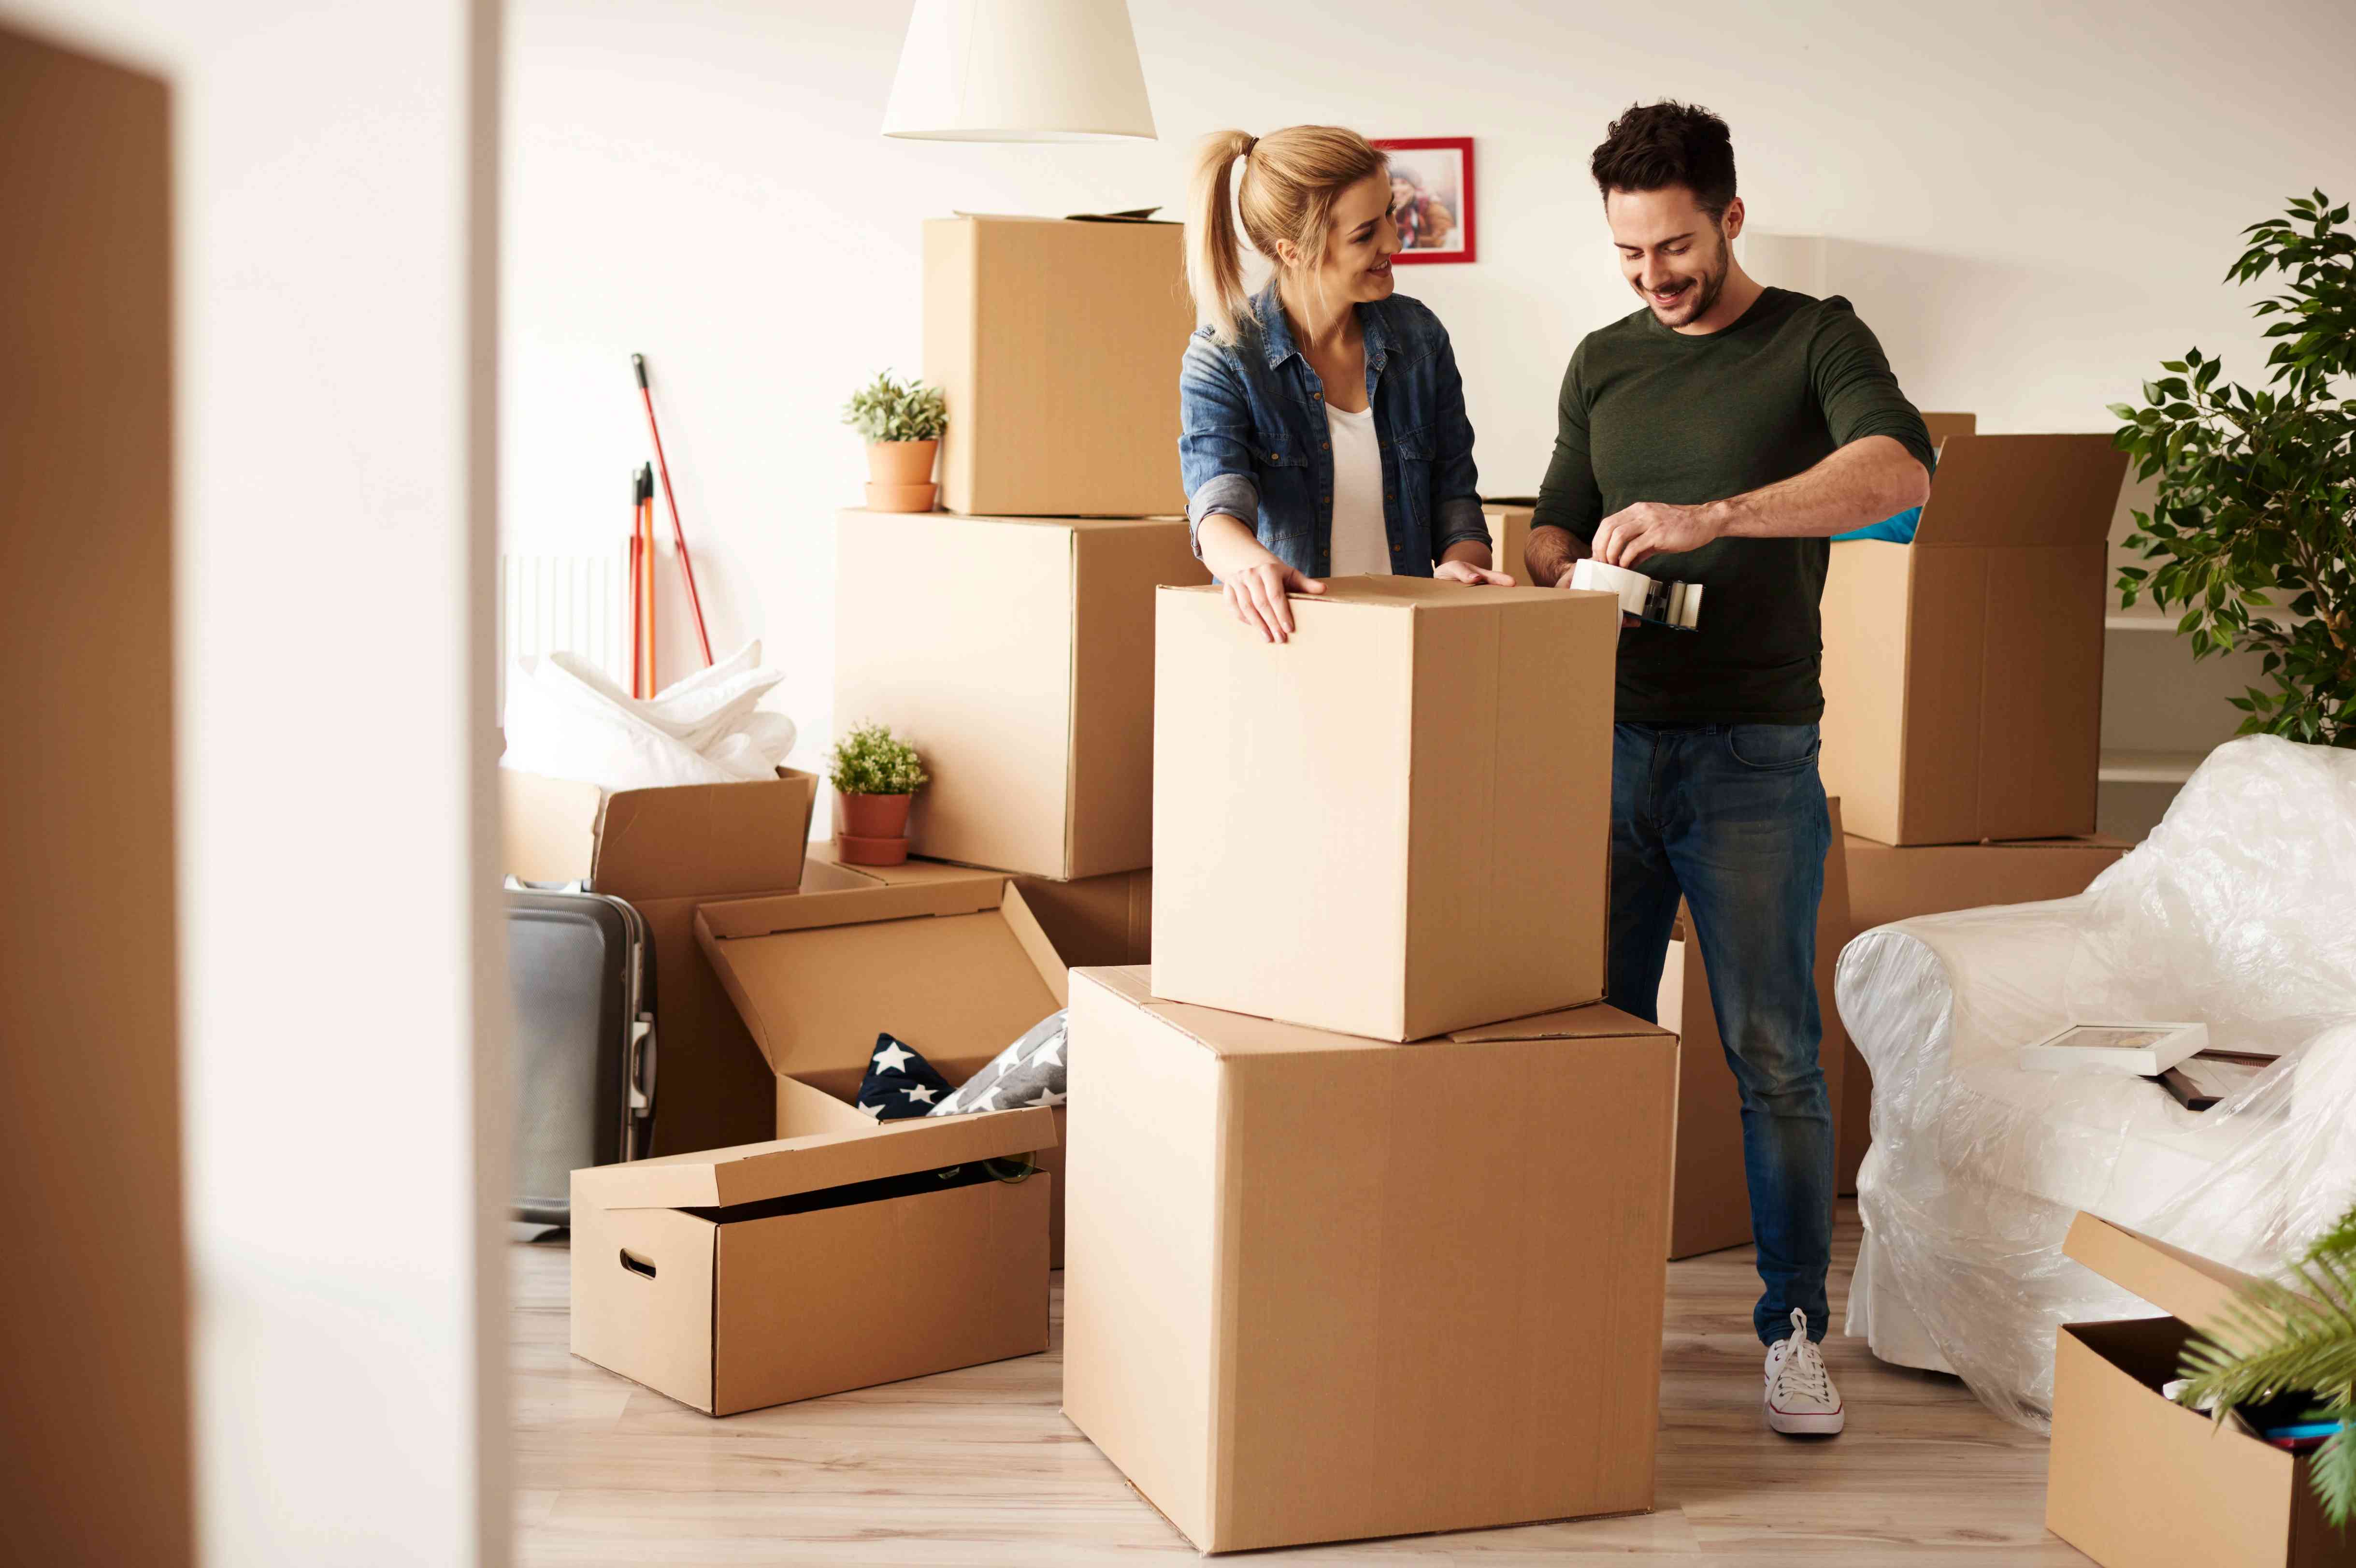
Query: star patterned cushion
(899, 1083)
(1031, 1071)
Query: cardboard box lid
(1224, 1033)
(925, 960)
(2183, 1284)
(754, 1173)
(2022, 489)
(658, 844)
(1413, 593)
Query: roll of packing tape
(1596, 577)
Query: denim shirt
(1254, 442)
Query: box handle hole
(637, 1265)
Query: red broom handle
(678, 534)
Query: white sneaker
(1800, 1396)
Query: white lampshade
(1019, 71)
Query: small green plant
(871, 761)
(2287, 1337)
(886, 410)
(2257, 490)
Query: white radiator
(565, 604)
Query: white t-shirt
(1361, 545)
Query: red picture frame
(1444, 177)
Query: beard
(1698, 298)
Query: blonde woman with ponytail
(1323, 429)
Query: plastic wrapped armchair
(2239, 911)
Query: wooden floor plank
(980, 1467)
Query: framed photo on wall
(1431, 189)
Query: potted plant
(875, 776)
(2254, 509)
(903, 424)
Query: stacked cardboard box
(1343, 862)
(1963, 691)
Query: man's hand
(1652, 528)
(1466, 572)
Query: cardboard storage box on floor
(664, 852)
(833, 1258)
(1016, 654)
(1711, 1207)
(1962, 673)
(2136, 1478)
(1887, 884)
(1398, 823)
(954, 967)
(1057, 345)
(1509, 536)
(1322, 1287)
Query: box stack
(1307, 1258)
(1963, 691)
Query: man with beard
(1721, 434)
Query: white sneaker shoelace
(1800, 1397)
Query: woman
(1323, 429)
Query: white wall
(333, 281)
(2035, 205)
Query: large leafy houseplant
(2254, 525)
(2292, 1337)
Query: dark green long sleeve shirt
(1651, 414)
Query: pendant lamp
(1019, 71)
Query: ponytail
(1287, 190)
(1215, 262)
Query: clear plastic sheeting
(2239, 911)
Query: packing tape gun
(1676, 606)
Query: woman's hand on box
(1252, 577)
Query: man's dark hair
(1654, 146)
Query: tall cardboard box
(1320, 1287)
(2136, 1478)
(954, 967)
(1057, 344)
(1887, 884)
(1963, 673)
(1397, 823)
(1712, 1205)
(831, 1258)
(1016, 654)
(664, 852)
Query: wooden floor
(980, 1467)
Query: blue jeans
(1731, 817)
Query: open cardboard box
(1322, 1287)
(2137, 1479)
(837, 1256)
(664, 852)
(1343, 824)
(956, 967)
(1963, 673)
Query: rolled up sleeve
(1215, 441)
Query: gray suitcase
(581, 968)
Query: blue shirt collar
(1276, 333)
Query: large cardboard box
(1963, 673)
(1057, 345)
(954, 966)
(1712, 1205)
(2136, 1478)
(1016, 654)
(1509, 536)
(1887, 884)
(664, 852)
(1398, 823)
(1322, 1287)
(834, 1257)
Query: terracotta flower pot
(901, 498)
(901, 462)
(872, 829)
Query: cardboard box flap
(2183, 1284)
(1224, 1033)
(705, 838)
(548, 827)
(959, 971)
(754, 1173)
(2022, 489)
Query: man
(1721, 436)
